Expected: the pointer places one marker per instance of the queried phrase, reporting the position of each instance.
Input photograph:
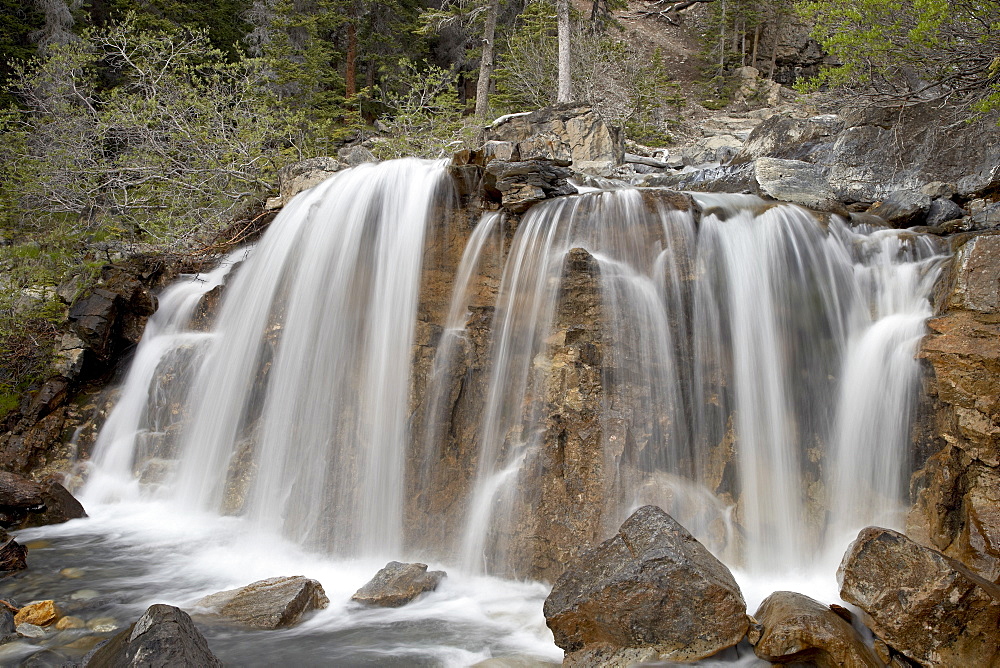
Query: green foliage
(425, 117)
(910, 50)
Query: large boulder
(164, 637)
(794, 181)
(652, 592)
(520, 185)
(303, 175)
(397, 584)
(797, 629)
(925, 605)
(564, 132)
(268, 604)
(25, 503)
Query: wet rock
(653, 590)
(268, 604)
(562, 132)
(294, 178)
(26, 630)
(70, 622)
(25, 503)
(163, 637)
(520, 185)
(397, 584)
(796, 182)
(925, 605)
(13, 556)
(903, 208)
(797, 629)
(41, 613)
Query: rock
(562, 132)
(988, 218)
(796, 182)
(903, 208)
(652, 589)
(163, 637)
(397, 584)
(25, 503)
(72, 572)
(923, 604)
(41, 613)
(355, 155)
(70, 622)
(274, 603)
(975, 287)
(797, 629)
(13, 556)
(782, 136)
(294, 178)
(720, 149)
(26, 630)
(520, 185)
(942, 210)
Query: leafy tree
(911, 50)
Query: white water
(281, 441)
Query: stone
(783, 136)
(562, 132)
(355, 155)
(652, 589)
(927, 606)
(72, 572)
(520, 185)
(70, 622)
(796, 182)
(26, 503)
(975, 284)
(163, 637)
(903, 208)
(13, 556)
(26, 630)
(988, 218)
(942, 210)
(273, 603)
(41, 613)
(397, 584)
(294, 178)
(721, 149)
(798, 629)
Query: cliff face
(957, 491)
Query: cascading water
(742, 364)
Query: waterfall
(745, 365)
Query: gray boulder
(164, 637)
(520, 185)
(797, 629)
(652, 592)
(903, 208)
(563, 132)
(303, 175)
(268, 604)
(942, 210)
(923, 604)
(397, 584)
(988, 218)
(720, 148)
(796, 182)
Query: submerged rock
(652, 592)
(797, 629)
(925, 605)
(397, 584)
(163, 637)
(268, 604)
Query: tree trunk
(350, 76)
(565, 92)
(486, 61)
(756, 43)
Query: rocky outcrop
(303, 175)
(397, 584)
(957, 491)
(163, 637)
(651, 590)
(519, 185)
(562, 132)
(796, 629)
(25, 503)
(930, 608)
(268, 604)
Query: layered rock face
(957, 492)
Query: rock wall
(957, 491)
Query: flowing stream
(744, 365)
